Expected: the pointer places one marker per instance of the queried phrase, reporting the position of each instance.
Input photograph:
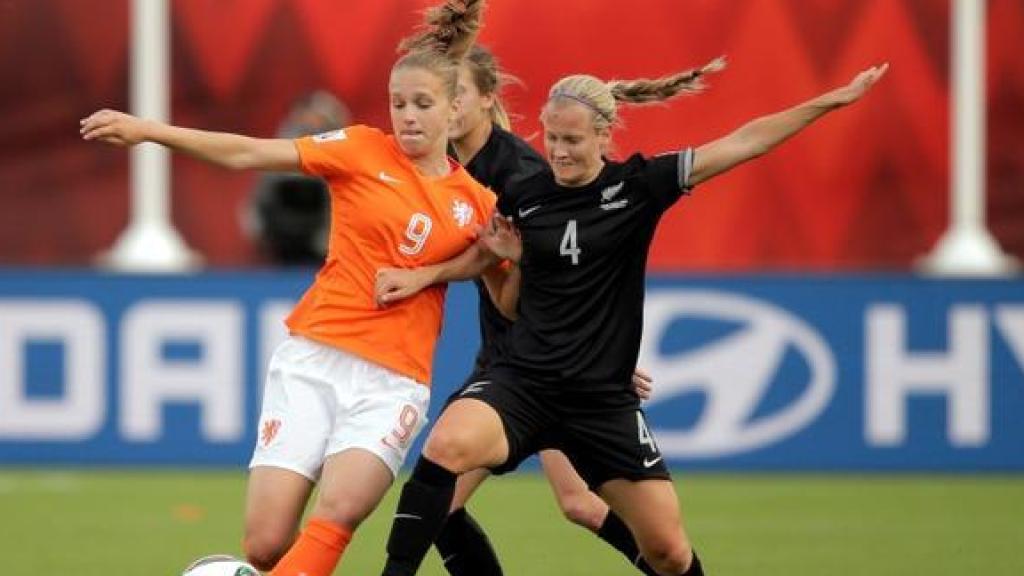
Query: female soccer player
(495, 157)
(347, 392)
(586, 227)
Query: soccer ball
(219, 565)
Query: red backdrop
(867, 188)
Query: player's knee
(583, 509)
(453, 450)
(667, 555)
(341, 509)
(264, 550)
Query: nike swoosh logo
(385, 177)
(524, 212)
(408, 517)
(649, 463)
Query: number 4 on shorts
(644, 433)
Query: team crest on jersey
(332, 136)
(462, 212)
(609, 193)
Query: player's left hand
(643, 383)
(395, 284)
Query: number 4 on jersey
(570, 245)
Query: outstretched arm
(219, 148)
(763, 134)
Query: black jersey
(503, 159)
(583, 267)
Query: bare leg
(581, 506)
(466, 486)
(275, 499)
(578, 504)
(651, 510)
(352, 484)
(468, 435)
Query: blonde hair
(603, 98)
(489, 79)
(443, 41)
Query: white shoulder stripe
(686, 158)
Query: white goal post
(150, 244)
(967, 248)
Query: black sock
(695, 567)
(465, 549)
(615, 532)
(422, 508)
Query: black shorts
(605, 436)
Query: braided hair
(603, 97)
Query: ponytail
(603, 98)
(450, 29)
(443, 40)
(645, 91)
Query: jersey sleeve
(506, 202)
(668, 175)
(487, 200)
(337, 153)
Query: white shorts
(320, 400)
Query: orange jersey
(384, 213)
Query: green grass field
(154, 523)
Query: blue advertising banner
(753, 373)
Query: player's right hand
(858, 86)
(502, 238)
(113, 127)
